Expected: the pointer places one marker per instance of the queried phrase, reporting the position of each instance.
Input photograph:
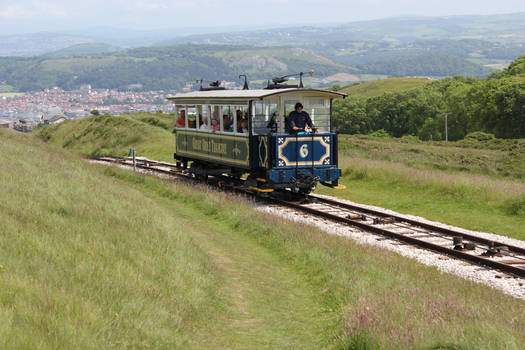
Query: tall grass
(88, 262)
(96, 257)
(377, 299)
(466, 200)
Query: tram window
(319, 110)
(191, 116)
(226, 119)
(240, 119)
(180, 122)
(289, 107)
(263, 111)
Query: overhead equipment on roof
(277, 83)
(214, 85)
(245, 86)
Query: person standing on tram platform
(300, 120)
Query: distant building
(85, 88)
(135, 86)
(5, 123)
(23, 126)
(52, 119)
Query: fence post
(132, 152)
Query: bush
(480, 136)
(381, 133)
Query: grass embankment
(377, 87)
(472, 184)
(149, 134)
(97, 257)
(476, 183)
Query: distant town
(23, 112)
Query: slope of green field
(149, 134)
(472, 184)
(377, 87)
(85, 49)
(98, 257)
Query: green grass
(149, 134)
(472, 202)
(495, 158)
(377, 87)
(476, 183)
(98, 257)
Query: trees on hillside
(494, 105)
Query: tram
(231, 133)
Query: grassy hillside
(86, 49)
(471, 183)
(149, 134)
(377, 87)
(97, 257)
(149, 66)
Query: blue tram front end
(230, 132)
(297, 161)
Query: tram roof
(246, 94)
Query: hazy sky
(18, 16)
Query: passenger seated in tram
(300, 120)
(272, 125)
(215, 126)
(181, 121)
(227, 122)
(204, 126)
(244, 126)
(239, 115)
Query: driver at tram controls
(300, 120)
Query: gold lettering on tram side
(218, 147)
(200, 144)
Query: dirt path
(268, 303)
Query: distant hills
(86, 49)
(161, 68)
(169, 68)
(508, 28)
(38, 43)
(410, 46)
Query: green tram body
(272, 159)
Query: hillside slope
(85, 49)
(377, 87)
(148, 134)
(162, 68)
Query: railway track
(474, 249)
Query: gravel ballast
(507, 284)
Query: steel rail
(443, 230)
(400, 237)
